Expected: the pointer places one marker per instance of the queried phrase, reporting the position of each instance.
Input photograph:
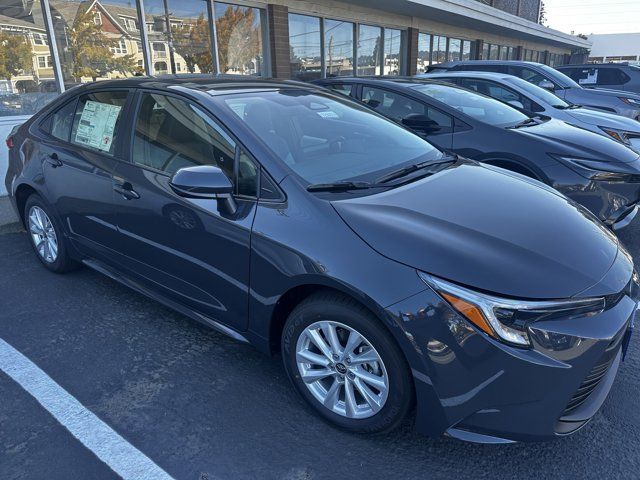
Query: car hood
(488, 229)
(567, 140)
(604, 119)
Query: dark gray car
(623, 103)
(594, 170)
(387, 274)
(619, 76)
(536, 100)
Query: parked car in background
(387, 273)
(619, 76)
(536, 100)
(623, 103)
(594, 170)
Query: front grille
(592, 380)
(588, 386)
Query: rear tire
(46, 237)
(364, 383)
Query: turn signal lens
(470, 312)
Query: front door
(80, 149)
(194, 251)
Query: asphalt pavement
(202, 406)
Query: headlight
(630, 101)
(618, 135)
(505, 319)
(595, 170)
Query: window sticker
(328, 114)
(97, 124)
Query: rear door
(80, 148)
(193, 251)
(397, 107)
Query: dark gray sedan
(388, 274)
(596, 171)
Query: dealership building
(55, 44)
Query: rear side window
(59, 123)
(96, 121)
(612, 76)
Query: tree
(15, 55)
(191, 42)
(90, 48)
(238, 38)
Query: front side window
(496, 91)
(326, 139)
(540, 93)
(479, 107)
(398, 107)
(96, 121)
(343, 88)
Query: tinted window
(481, 108)
(59, 124)
(342, 88)
(96, 121)
(326, 139)
(171, 134)
(397, 106)
(611, 76)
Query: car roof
(395, 80)
(468, 73)
(485, 62)
(205, 83)
(588, 65)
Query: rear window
(96, 121)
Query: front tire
(46, 236)
(346, 365)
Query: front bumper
(472, 387)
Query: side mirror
(420, 123)
(517, 104)
(547, 85)
(204, 181)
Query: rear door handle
(126, 190)
(53, 160)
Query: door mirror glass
(203, 181)
(547, 85)
(516, 104)
(420, 123)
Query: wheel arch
(22, 192)
(517, 165)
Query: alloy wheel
(43, 234)
(342, 370)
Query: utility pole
(172, 59)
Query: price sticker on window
(97, 125)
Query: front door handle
(53, 160)
(126, 190)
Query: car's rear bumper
(471, 387)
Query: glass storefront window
(178, 32)
(424, 52)
(392, 59)
(455, 48)
(486, 47)
(504, 53)
(494, 52)
(369, 38)
(338, 48)
(466, 50)
(96, 40)
(239, 34)
(439, 51)
(26, 71)
(304, 41)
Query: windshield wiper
(524, 123)
(415, 167)
(338, 186)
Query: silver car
(623, 103)
(536, 100)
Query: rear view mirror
(420, 123)
(547, 85)
(516, 104)
(203, 181)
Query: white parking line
(122, 457)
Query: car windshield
(483, 109)
(559, 77)
(325, 139)
(541, 93)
